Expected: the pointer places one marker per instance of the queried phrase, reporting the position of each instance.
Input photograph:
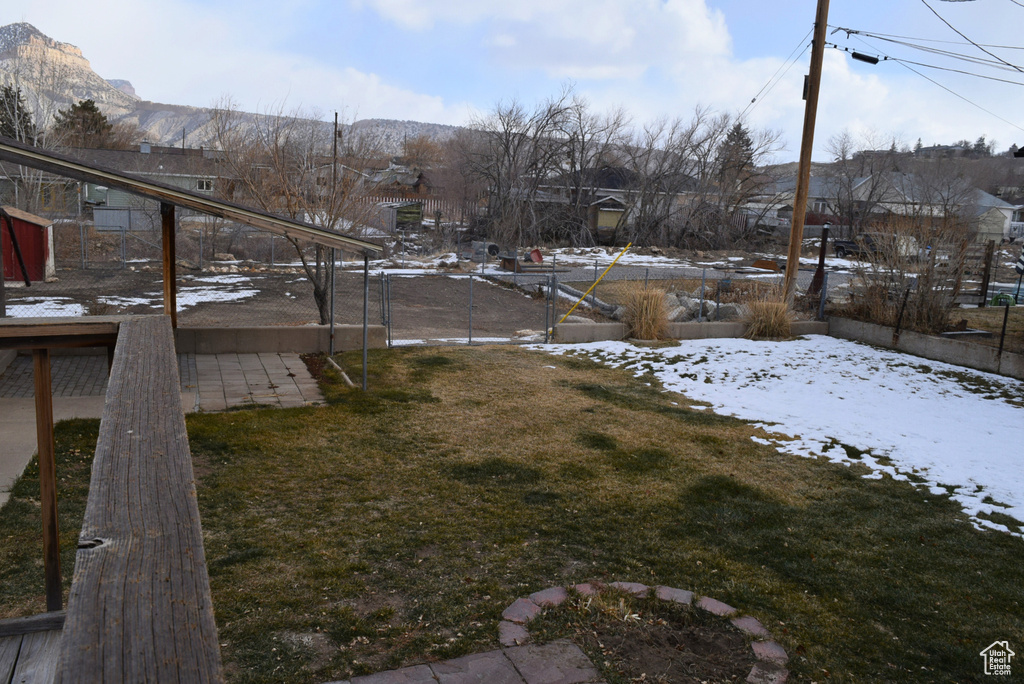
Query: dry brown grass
(768, 317)
(392, 527)
(646, 313)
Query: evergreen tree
(736, 154)
(82, 125)
(981, 147)
(15, 118)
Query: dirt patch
(315, 365)
(421, 306)
(649, 640)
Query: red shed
(35, 239)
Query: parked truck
(869, 244)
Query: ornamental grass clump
(768, 317)
(646, 313)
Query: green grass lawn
(393, 527)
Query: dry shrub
(646, 313)
(768, 317)
(927, 279)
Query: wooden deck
(29, 649)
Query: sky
(448, 61)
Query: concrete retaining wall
(958, 352)
(297, 339)
(576, 333)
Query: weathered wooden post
(170, 258)
(47, 477)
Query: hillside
(53, 75)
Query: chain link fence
(227, 275)
(234, 276)
(496, 307)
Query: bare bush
(917, 268)
(646, 313)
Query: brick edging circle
(771, 657)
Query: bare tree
(284, 163)
(516, 152)
(660, 156)
(858, 180)
(588, 155)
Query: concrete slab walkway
(268, 379)
(211, 382)
(560, 662)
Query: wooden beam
(62, 165)
(47, 478)
(33, 333)
(44, 622)
(170, 260)
(140, 608)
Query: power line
(991, 54)
(767, 88)
(857, 55)
(884, 36)
(948, 90)
(943, 53)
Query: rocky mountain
(53, 75)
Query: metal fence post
(547, 311)
(124, 253)
(202, 230)
(366, 311)
(700, 313)
(331, 343)
(824, 294)
(647, 275)
(81, 232)
(470, 308)
(554, 303)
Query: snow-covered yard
(957, 431)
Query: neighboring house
(198, 170)
(189, 169)
(401, 182)
(37, 190)
(612, 195)
(905, 194)
(992, 217)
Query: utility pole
(803, 180)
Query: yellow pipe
(595, 284)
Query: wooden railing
(139, 609)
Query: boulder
(731, 312)
(678, 313)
